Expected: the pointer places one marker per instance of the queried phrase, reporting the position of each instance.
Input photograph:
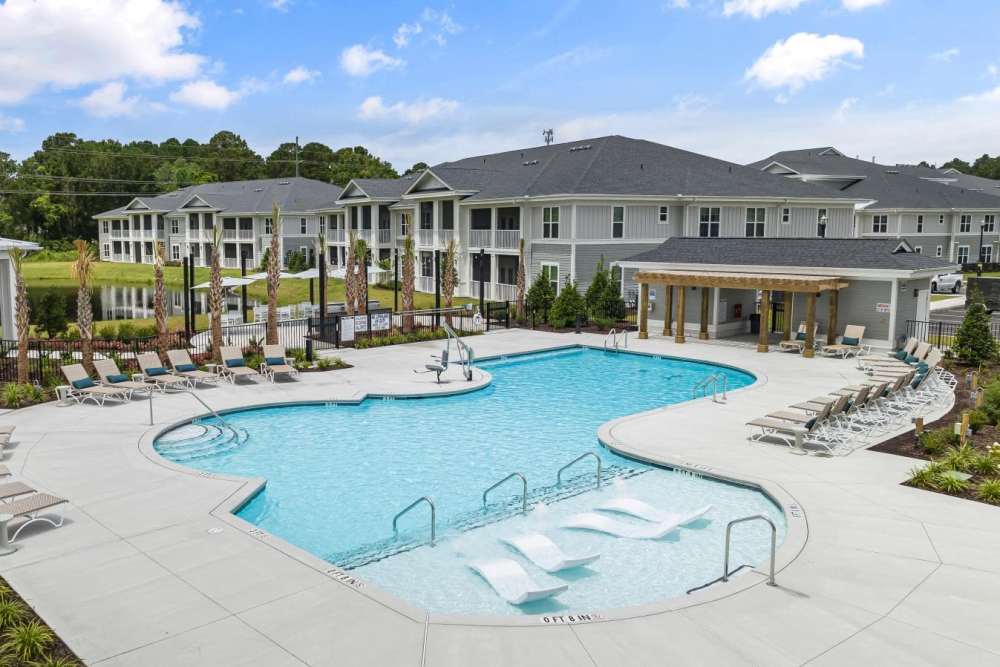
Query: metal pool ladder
(613, 335)
(712, 381)
(422, 499)
(577, 460)
(774, 540)
(524, 490)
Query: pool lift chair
(440, 364)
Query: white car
(947, 282)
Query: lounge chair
(276, 363)
(153, 371)
(798, 344)
(83, 388)
(602, 524)
(6, 431)
(851, 343)
(4, 471)
(111, 376)
(32, 508)
(545, 553)
(642, 510)
(234, 366)
(13, 490)
(185, 367)
(794, 434)
(512, 583)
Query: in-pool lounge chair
(275, 363)
(512, 583)
(33, 507)
(545, 553)
(153, 371)
(111, 376)
(602, 524)
(643, 510)
(234, 366)
(185, 367)
(798, 344)
(83, 388)
(851, 343)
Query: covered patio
(766, 283)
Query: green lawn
(942, 297)
(57, 274)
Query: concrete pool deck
(149, 571)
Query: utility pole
(548, 135)
(296, 157)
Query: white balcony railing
(425, 284)
(118, 257)
(117, 234)
(445, 236)
(364, 234)
(507, 238)
(480, 238)
(335, 236)
(232, 262)
(237, 234)
(384, 236)
(502, 292)
(425, 237)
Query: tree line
(52, 195)
(984, 166)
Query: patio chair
(285, 313)
(851, 343)
(260, 313)
(83, 388)
(111, 376)
(153, 371)
(234, 366)
(276, 363)
(795, 435)
(33, 507)
(185, 367)
(798, 344)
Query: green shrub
(323, 363)
(106, 331)
(989, 491)
(978, 419)
(951, 484)
(51, 314)
(126, 330)
(254, 360)
(12, 612)
(145, 331)
(960, 458)
(13, 395)
(567, 306)
(540, 296)
(52, 661)
(35, 393)
(937, 441)
(974, 341)
(296, 353)
(923, 478)
(985, 465)
(27, 641)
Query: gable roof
(886, 254)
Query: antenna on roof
(296, 157)
(548, 135)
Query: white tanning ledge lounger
(602, 524)
(511, 582)
(643, 510)
(545, 553)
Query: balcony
(364, 235)
(233, 262)
(425, 237)
(507, 238)
(480, 238)
(503, 292)
(335, 236)
(425, 284)
(445, 236)
(117, 234)
(237, 234)
(384, 236)
(474, 290)
(199, 234)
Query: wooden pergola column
(831, 328)
(703, 328)
(765, 307)
(810, 326)
(644, 311)
(668, 308)
(681, 296)
(789, 299)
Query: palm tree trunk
(22, 314)
(349, 278)
(520, 281)
(215, 298)
(159, 300)
(273, 276)
(408, 280)
(82, 269)
(448, 276)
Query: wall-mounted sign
(882, 307)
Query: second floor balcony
(237, 234)
(384, 236)
(480, 238)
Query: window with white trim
(550, 222)
(941, 219)
(755, 222)
(302, 226)
(664, 216)
(918, 249)
(175, 226)
(786, 216)
(175, 252)
(268, 226)
(880, 224)
(322, 224)
(939, 251)
(987, 253)
(989, 223)
(106, 250)
(617, 222)
(920, 224)
(104, 226)
(551, 273)
(821, 220)
(708, 221)
(965, 224)
(963, 254)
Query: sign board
(346, 329)
(381, 321)
(882, 307)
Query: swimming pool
(338, 473)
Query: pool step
(204, 439)
(492, 513)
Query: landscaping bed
(25, 639)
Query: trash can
(755, 323)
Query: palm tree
(273, 276)
(215, 294)
(321, 252)
(361, 276)
(349, 279)
(159, 298)
(82, 270)
(448, 275)
(409, 259)
(520, 280)
(22, 314)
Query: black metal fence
(341, 330)
(941, 334)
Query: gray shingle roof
(890, 186)
(256, 196)
(812, 253)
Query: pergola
(767, 283)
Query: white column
(435, 221)
(572, 239)
(893, 302)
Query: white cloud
(280, 5)
(677, 4)
(411, 113)
(986, 96)
(840, 115)
(10, 124)
(299, 75)
(945, 56)
(801, 59)
(993, 71)
(404, 32)
(70, 44)
(858, 5)
(110, 101)
(359, 60)
(759, 8)
(580, 55)
(440, 25)
(207, 94)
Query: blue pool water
(337, 474)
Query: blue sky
(901, 80)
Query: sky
(897, 80)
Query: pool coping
(796, 532)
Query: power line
(93, 180)
(152, 156)
(75, 194)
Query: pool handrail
(421, 499)
(199, 399)
(524, 491)
(465, 354)
(774, 540)
(577, 460)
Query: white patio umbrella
(263, 275)
(227, 281)
(374, 273)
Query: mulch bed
(326, 370)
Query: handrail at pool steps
(421, 499)
(712, 381)
(577, 460)
(197, 398)
(613, 335)
(524, 490)
(774, 541)
(465, 353)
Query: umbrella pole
(243, 289)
